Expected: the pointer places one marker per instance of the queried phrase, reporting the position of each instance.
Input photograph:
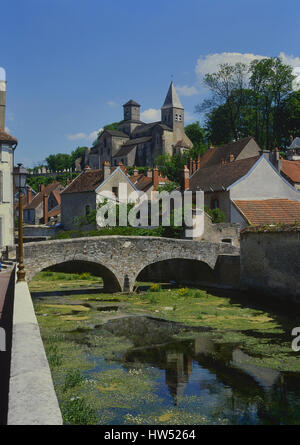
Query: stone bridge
(121, 259)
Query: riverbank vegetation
(94, 377)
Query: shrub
(77, 412)
(184, 292)
(85, 276)
(156, 287)
(73, 378)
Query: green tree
(77, 153)
(271, 81)
(59, 162)
(222, 84)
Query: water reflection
(221, 375)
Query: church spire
(172, 100)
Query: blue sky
(71, 64)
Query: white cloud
(111, 104)
(151, 115)
(210, 63)
(2, 74)
(186, 90)
(87, 136)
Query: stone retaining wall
(32, 399)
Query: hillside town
(150, 269)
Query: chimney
(29, 195)
(198, 162)
(106, 169)
(186, 178)
(2, 98)
(194, 166)
(41, 187)
(231, 157)
(135, 171)
(191, 165)
(68, 181)
(155, 178)
(45, 208)
(149, 173)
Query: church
(137, 143)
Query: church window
(179, 117)
(176, 117)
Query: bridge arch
(180, 270)
(111, 282)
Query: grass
(48, 280)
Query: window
(179, 117)
(87, 210)
(214, 204)
(176, 117)
(115, 191)
(104, 142)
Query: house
(250, 179)
(138, 143)
(7, 147)
(234, 151)
(80, 197)
(293, 151)
(39, 209)
(291, 171)
(268, 211)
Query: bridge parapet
(120, 258)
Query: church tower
(131, 111)
(172, 111)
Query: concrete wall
(270, 263)
(40, 230)
(32, 399)
(217, 233)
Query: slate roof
(131, 102)
(214, 155)
(172, 100)
(269, 211)
(291, 170)
(124, 150)
(87, 181)
(138, 141)
(219, 177)
(7, 138)
(54, 187)
(116, 133)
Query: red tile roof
(87, 181)
(214, 155)
(269, 211)
(291, 170)
(54, 187)
(5, 137)
(219, 177)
